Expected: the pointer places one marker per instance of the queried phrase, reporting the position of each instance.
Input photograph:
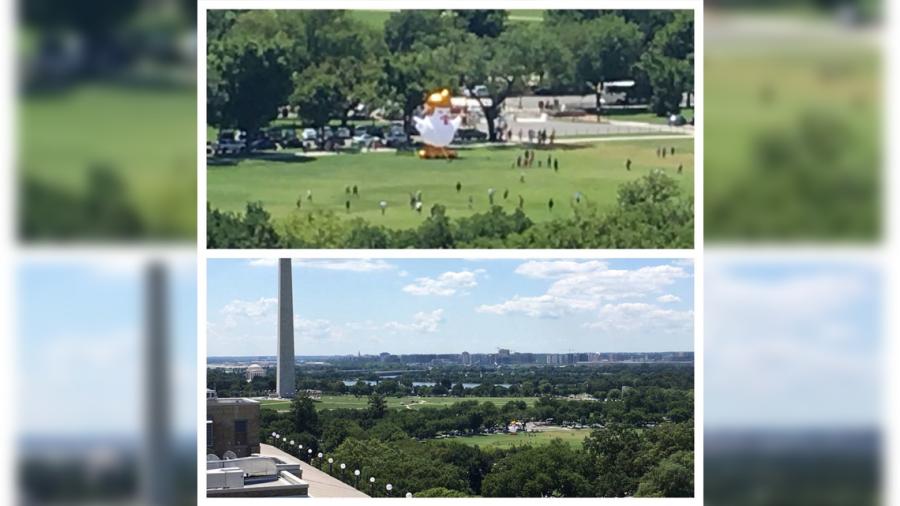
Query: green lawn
(354, 402)
(754, 95)
(146, 136)
(573, 437)
(596, 170)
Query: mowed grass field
(572, 437)
(771, 90)
(354, 402)
(145, 136)
(595, 169)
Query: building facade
(232, 424)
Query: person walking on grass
(519, 161)
(521, 202)
(628, 164)
(552, 136)
(458, 187)
(419, 207)
(471, 202)
(299, 202)
(309, 195)
(347, 190)
(680, 168)
(347, 205)
(491, 196)
(505, 193)
(549, 159)
(383, 206)
(556, 165)
(355, 191)
(522, 177)
(550, 204)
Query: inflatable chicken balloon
(437, 127)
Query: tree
(304, 414)
(604, 49)
(553, 470)
(483, 23)
(672, 477)
(344, 68)
(230, 230)
(246, 82)
(669, 64)
(377, 406)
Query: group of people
(541, 136)
(528, 159)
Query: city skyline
(439, 306)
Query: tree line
(622, 458)
(328, 64)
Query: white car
(365, 140)
(309, 134)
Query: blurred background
(794, 156)
(106, 379)
(105, 343)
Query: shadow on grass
(267, 156)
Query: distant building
(315, 395)
(254, 371)
(231, 424)
(465, 358)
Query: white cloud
(584, 286)
(542, 306)
(446, 284)
(317, 329)
(424, 321)
(638, 317)
(667, 298)
(558, 268)
(255, 310)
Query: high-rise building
(286, 357)
(465, 358)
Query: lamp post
(330, 465)
(356, 473)
(343, 467)
(372, 484)
(389, 487)
(309, 456)
(319, 456)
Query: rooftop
(321, 484)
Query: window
(209, 434)
(240, 432)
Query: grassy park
(792, 140)
(593, 169)
(329, 402)
(144, 137)
(572, 437)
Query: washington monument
(285, 377)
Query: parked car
(366, 140)
(231, 142)
(469, 135)
(309, 134)
(677, 120)
(396, 139)
(343, 133)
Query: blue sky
(792, 343)
(450, 306)
(79, 348)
